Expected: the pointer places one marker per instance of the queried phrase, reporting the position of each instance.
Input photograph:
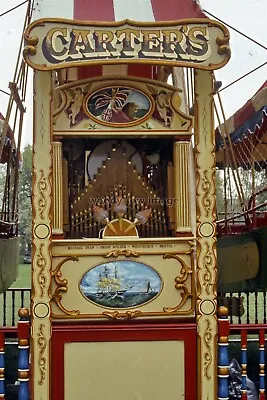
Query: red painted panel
(89, 71)
(141, 70)
(171, 10)
(123, 332)
(94, 10)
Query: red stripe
(142, 70)
(170, 10)
(94, 10)
(89, 71)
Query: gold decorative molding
(181, 187)
(42, 186)
(62, 286)
(223, 45)
(120, 315)
(42, 343)
(30, 49)
(47, 53)
(41, 263)
(208, 352)
(206, 240)
(180, 285)
(57, 188)
(117, 253)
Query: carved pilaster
(41, 266)
(181, 187)
(206, 240)
(57, 189)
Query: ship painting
(121, 284)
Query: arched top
(117, 10)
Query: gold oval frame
(121, 308)
(119, 124)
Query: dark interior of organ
(117, 177)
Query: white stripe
(53, 9)
(137, 10)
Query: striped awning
(117, 10)
(247, 129)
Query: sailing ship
(109, 285)
(120, 284)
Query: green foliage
(24, 204)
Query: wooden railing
(245, 307)
(241, 359)
(22, 342)
(10, 302)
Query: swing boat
(242, 226)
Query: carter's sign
(55, 43)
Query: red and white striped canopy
(117, 10)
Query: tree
(24, 203)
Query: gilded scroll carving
(42, 187)
(42, 344)
(62, 286)
(206, 188)
(207, 265)
(207, 353)
(118, 315)
(117, 253)
(180, 285)
(41, 263)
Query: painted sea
(121, 284)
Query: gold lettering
(103, 42)
(173, 43)
(55, 44)
(151, 43)
(127, 37)
(80, 44)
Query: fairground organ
(124, 260)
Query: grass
(16, 300)
(24, 277)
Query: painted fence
(23, 369)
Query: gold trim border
(166, 311)
(120, 125)
(123, 308)
(31, 42)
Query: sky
(248, 16)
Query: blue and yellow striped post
(262, 364)
(223, 359)
(23, 365)
(244, 341)
(2, 365)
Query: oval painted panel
(121, 284)
(118, 106)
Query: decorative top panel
(58, 43)
(114, 104)
(118, 106)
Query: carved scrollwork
(41, 263)
(207, 265)
(207, 354)
(117, 253)
(42, 187)
(118, 315)
(206, 187)
(30, 49)
(223, 45)
(180, 280)
(42, 344)
(62, 286)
